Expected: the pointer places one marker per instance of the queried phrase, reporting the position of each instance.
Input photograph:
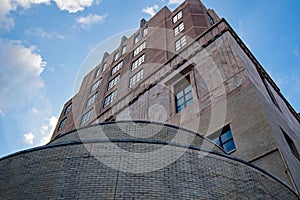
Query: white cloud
(43, 135)
(34, 110)
(175, 2)
(28, 138)
(150, 10)
(47, 130)
(73, 6)
(7, 6)
(20, 74)
(87, 21)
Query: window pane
(226, 136)
(188, 89)
(189, 102)
(216, 141)
(229, 146)
(180, 102)
(188, 96)
(179, 108)
(184, 97)
(179, 95)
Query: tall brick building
(183, 72)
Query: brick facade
(81, 165)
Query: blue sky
(43, 44)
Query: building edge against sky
(173, 69)
(189, 68)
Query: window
(110, 98)
(123, 50)
(136, 78)
(117, 55)
(116, 68)
(180, 43)
(225, 140)
(183, 94)
(62, 124)
(138, 62)
(140, 35)
(86, 117)
(137, 38)
(139, 49)
(211, 20)
(96, 85)
(98, 72)
(178, 29)
(145, 31)
(68, 109)
(177, 17)
(113, 82)
(291, 144)
(104, 66)
(270, 93)
(91, 100)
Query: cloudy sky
(43, 44)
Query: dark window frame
(210, 19)
(68, 109)
(291, 144)
(222, 139)
(62, 124)
(183, 92)
(271, 95)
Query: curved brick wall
(84, 165)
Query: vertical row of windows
(136, 78)
(63, 122)
(133, 80)
(178, 29)
(139, 61)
